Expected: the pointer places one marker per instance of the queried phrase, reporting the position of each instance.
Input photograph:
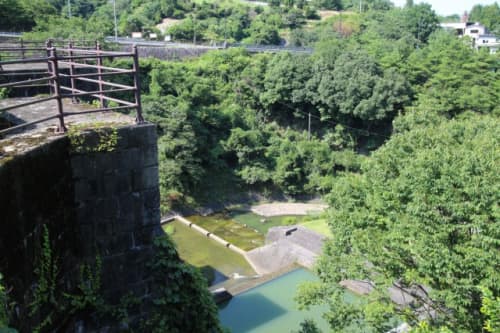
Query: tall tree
(328, 4)
(421, 21)
(424, 216)
(489, 15)
(451, 77)
(359, 87)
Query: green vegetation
(177, 286)
(319, 225)
(4, 309)
(489, 15)
(423, 212)
(184, 303)
(45, 297)
(95, 137)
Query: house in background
(489, 41)
(477, 33)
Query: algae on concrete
(217, 261)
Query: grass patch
(319, 225)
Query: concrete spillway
(206, 233)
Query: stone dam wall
(93, 204)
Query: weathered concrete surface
(286, 246)
(306, 238)
(273, 257)
(49, 108)
(32, 136)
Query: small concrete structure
(286, 246)
(298, 235)
(221, 295)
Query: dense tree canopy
(451, 77)
(424, 212)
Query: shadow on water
(251, 311)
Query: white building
(476, 32)
(490, 41)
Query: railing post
(48, 45)
(22, 49)
(72, 72)
(137, 87)
(57, 90)
(99, 71)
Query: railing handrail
(77, 58)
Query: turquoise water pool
(270, 307)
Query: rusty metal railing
(79, 73)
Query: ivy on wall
(184, 303)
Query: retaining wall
(102, 204)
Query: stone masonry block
(83, 166)
(151, 216)
(146, 178)
(107, 208)
(103, 227)
(126, 223)
(83, 190)
(117, 183)
(84, 213)
(121, 242)
(129, 203)
(104, 163)
(144, 236)
(122, 139)
(151, 198)
(142, 135)
(150, 156)
(131, 159)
